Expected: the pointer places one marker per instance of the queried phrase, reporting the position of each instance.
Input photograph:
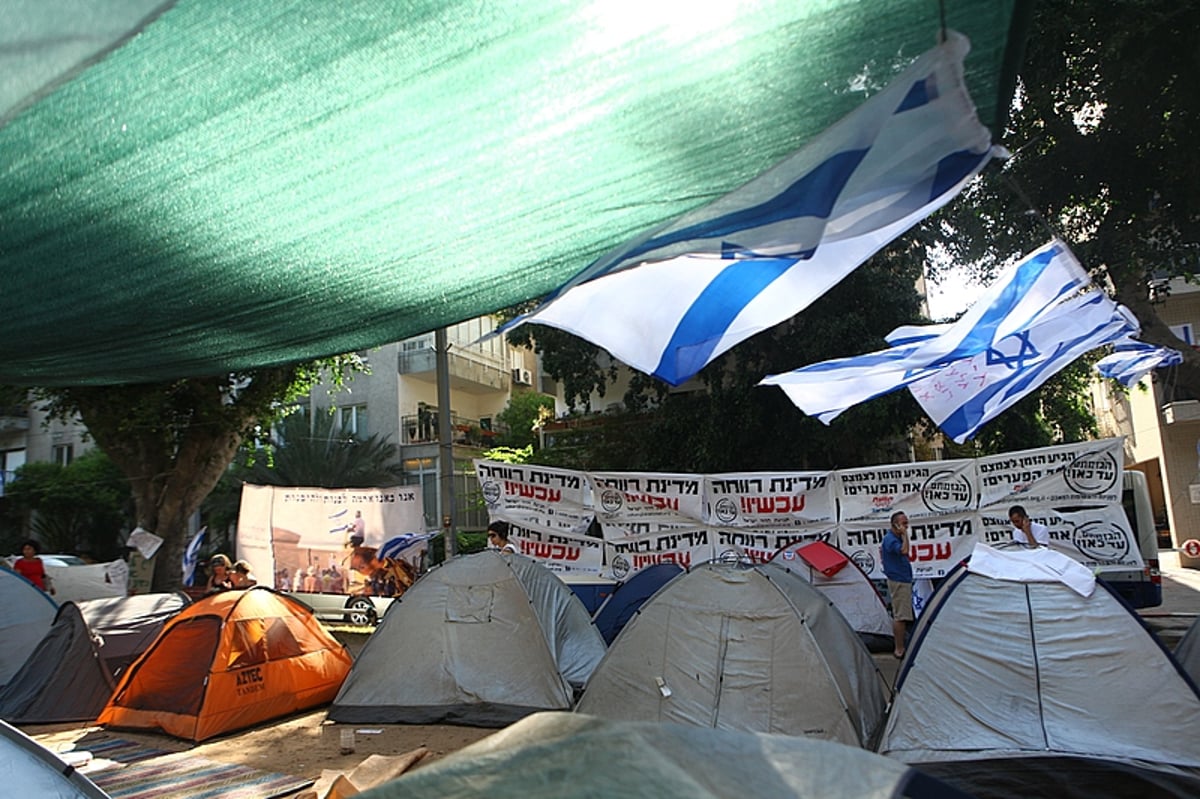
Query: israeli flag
(1132, 360)
(966, 395)
(678, 296)
(1024, 329)
(191, 555)
(1027, 290)
(394, 547)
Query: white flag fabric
(1017, 299)
(1132, 360)
(680, 295)
(191, 555)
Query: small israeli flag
(191, 555)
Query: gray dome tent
(1024, 655)
(570, 755)
(751, 648)
(72, 672)
(483, 640)
(26, 613)
(32, 770)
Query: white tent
(31, 770)
(26, 614)
(1023, 654)
(483, 640)
(850, 590)
(751, 648)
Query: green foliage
(465, 542)
(306, 450)
(509, 454)
(523, 415)
(1103, 130)
(79, 508)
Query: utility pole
(441, 349)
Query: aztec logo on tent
(680, 295)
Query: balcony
(416, 429)
(14, 419)
(1181, 411)
(469, 373)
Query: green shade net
(247, 184)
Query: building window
(63, 454)
(354, 419)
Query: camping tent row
(1027, 676)
(730, 646)
(829, 570)
(71, 673)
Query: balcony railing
(463, 369)
(423, 429)
(13, 418)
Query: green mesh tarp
(230, 185)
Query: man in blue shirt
(898, 570)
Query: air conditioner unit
(522, 377)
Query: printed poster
(922, 489)
(629, 504)
(770, 499)
(936, 544)
(324, 540)
(536, 497)
(1090, 472)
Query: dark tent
(630, 595)
(72, 672)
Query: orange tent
(229, 661)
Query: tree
(1103, 129)
(174, 440)
(81, 507)
(311, 450)
(523, 415)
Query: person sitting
(1025, 530)
(241, 576)
(219, 578)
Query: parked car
(361, 611)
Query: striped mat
(155, 774)
(123, 751)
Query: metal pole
(441, 350)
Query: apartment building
(399, 399)
(1161, 425)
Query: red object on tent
(824, 558)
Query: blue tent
(628, 596)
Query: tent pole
(445, 443)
